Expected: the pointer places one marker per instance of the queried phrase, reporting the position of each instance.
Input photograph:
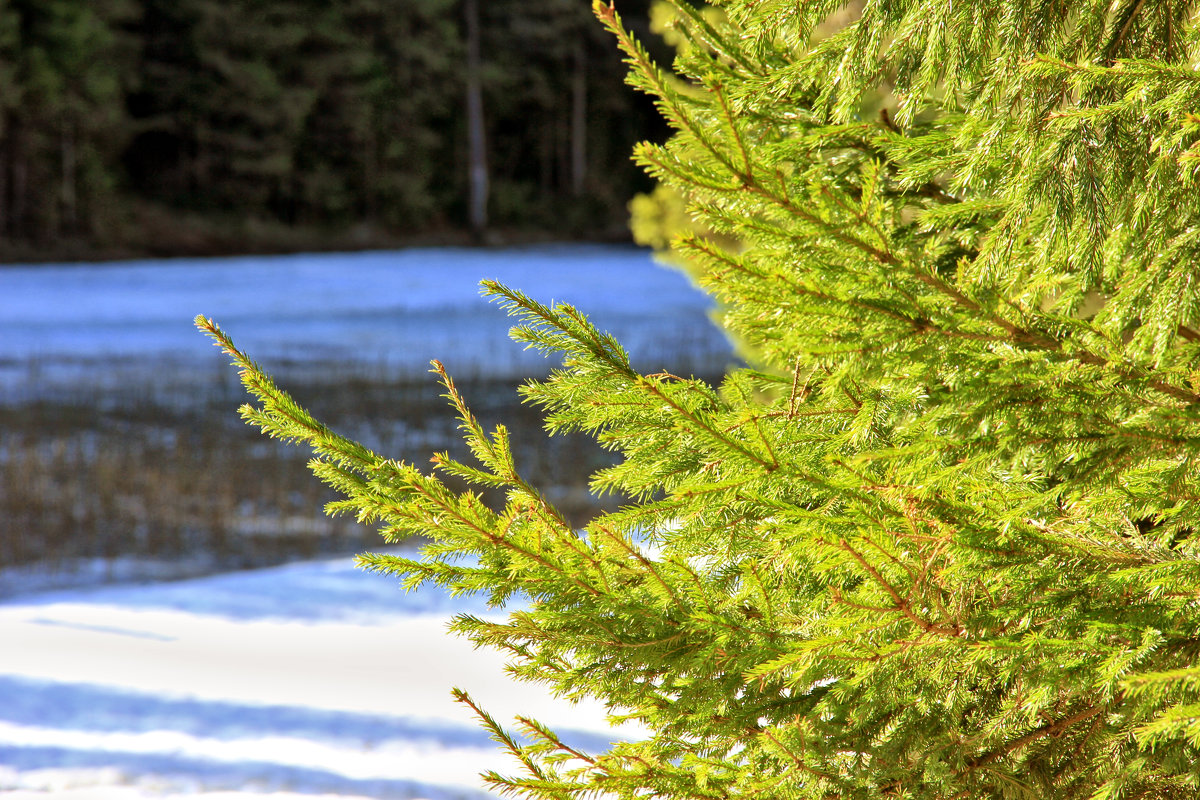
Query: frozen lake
(312, 679)
(103, 324)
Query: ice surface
(396, 310)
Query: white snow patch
(217, 684)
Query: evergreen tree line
(305, 114)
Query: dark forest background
(167, 127)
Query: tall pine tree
(939, 539)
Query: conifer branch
(554, 740)
(700, 424)
(902, 604)
(938, 540)
(500, 736)
(796, 760)
(1053, 728)
(1131, 12)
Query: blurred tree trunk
(70, 169)
(4, 182)
(579, 119)
(477, 146)
(18, 179)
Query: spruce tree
(938, 540)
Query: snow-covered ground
(310, 679)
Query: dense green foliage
(116, 114)
(939, 541)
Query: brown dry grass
(180, 478)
